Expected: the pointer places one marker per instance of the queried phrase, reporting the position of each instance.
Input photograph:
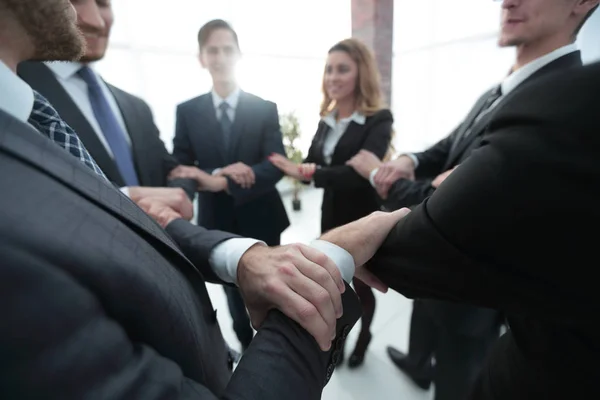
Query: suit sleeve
(267, 175)
(475, 239)
(407, 193)
(432, 160)
(59, 343)
(345, 177)
(197, 244)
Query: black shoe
(421, 378)
(358, 355)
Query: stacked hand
(240, 173)
(206, 182)
(364, 163)
(302, 172)
(401, 168)
(298, 280)
(158, 201)
(362, 238)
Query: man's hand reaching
(362, 238)
(298, 280)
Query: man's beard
(53, 34)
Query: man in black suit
(116, 127)
(230, 133)
(503, 231)
(99, 301)
(458, 336)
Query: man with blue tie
(230, 134)
(116, 127)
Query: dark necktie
(225, 123)
(112, 131)
(494, 95)
(46, 119)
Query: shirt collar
(17, 96)
(330, 119)
(511, 82)
(65, 69)
(232, 99)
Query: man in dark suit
(497, 234)
(458, 336)
(230, 133)
(98, 301)
(116, 127)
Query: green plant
(290, 128)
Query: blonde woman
(353, 118)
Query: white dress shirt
(77, 88)
(17, 100)
(338, 128)
(510, 83)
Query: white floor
(378, 378)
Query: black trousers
(459, 358)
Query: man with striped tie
(97, 300)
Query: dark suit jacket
(97, 301)
(348, 196)
(513, 229)
(152, 160)
(256, 212)
(451, 150)
(446, 154)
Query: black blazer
(513, 228)
(152, 160)
(97, 301)
(451, 150)
(256, 212)
(348, 196)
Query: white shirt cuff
(125, 191)
(225, 257)
(216, 171)
(341, 258)
(414, 159)
(372, 176)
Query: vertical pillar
(373, 23)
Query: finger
(321, 259)
(300, 310)
(371, 280)
(317, 295)
(328, 280)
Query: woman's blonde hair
(369, 98)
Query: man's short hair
(211, 26)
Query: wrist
(254, 252)
(134, 193)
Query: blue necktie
(225, 123)
(46, 119)
(110, 128)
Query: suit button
(345, 332)
(339, 344)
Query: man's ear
(201, 60)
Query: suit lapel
(459, 146)
(24, 142)
(43, 80)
